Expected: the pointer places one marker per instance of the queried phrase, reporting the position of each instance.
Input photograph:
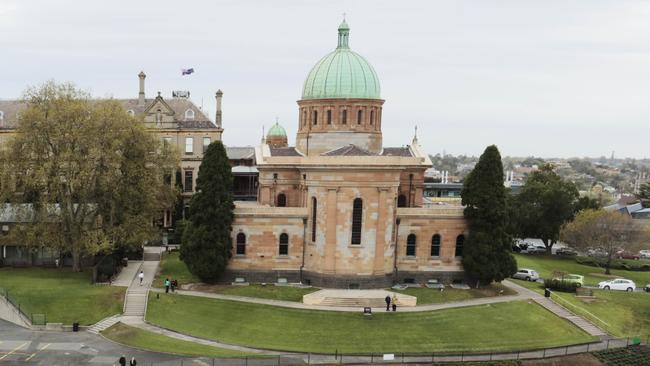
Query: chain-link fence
(32, 318)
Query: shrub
(560, 285)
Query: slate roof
(284, 151)
(397, 151)
(350, 150)
(10, 109)
(239, 153)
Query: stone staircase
(352, 302)
(104, 324)
(562, 312)
(136, 301)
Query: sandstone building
(339, 209)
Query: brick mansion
(337, 209)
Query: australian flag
(187, 71)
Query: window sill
(410, 258)
(282, 256)
(239, 256)
(355, 246)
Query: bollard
(309, 358)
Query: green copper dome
(342, 74)
(277, 130)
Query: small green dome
(277, 130)
(342, 74)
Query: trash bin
(547, 292)
(75, 327)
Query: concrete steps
(578, 321)
(104, 324)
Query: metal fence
(33, 318)
(290, 359)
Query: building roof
(284, 151)
(342, 73)
(350, 150)
(396, 151)
(11, 108)
(239, 153)
(628, 209)
(276, 131)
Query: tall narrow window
(315, 117)
(284, 244)
(410, 245)
(304, 118)
(189, 145)
(282, 200)
(372, 117)
(357, 220)
(359, 116)
(344, 116)
(314, 208)
(435, 246)
(158, 116)
(329, 117)
(206, 143)
(401, 201)
(188, 181)
(460, 240)
(241, 244)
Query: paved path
(127, 274)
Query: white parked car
(536, 249)
(644, 254)
(620, 284)
(526, 274)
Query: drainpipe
(397, 221)
(304, 244)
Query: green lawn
(286, 293)
(64, 296)
(619, 313)
(545, 265)
(173, 268)
(503, 326)
(432, 296)
(143, 339)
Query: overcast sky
(544, 78)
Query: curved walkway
(521, 295)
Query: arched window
(357, 220)
(315, 117)
(131, 113)
(359, 116)
(304, 118)
(329, 117)
(344, 116)
(189, 114)
(314, 208)
(282, 200)
(435, 246)
(460, 240)
(284, 244)
(410, 245)
(241, 244)
(401, 200)
(158, 116)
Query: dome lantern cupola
(277, 136)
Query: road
(19, 346)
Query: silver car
(526, 274)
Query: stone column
(330, 231)
(380, 240)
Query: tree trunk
(76, 260)
(608, 263)
(547, 245)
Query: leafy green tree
(586, 203)
(544, 204)
(486, 254)
(84, 173)
(644, 194)
(206, 244)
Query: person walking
(174, 284)
(122, 361)
(141, 277)
(394, 302)
(133, 362)
(167, 284)
(387, 299)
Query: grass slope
(432, 296)
(173, 268)
(64, 296)
(143, 339)
(503, 326)
(625, 314)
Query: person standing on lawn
(167, 284)
(387, 299)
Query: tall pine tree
(206, 242)
(486, 253)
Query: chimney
(141, 75)
(217, 119)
